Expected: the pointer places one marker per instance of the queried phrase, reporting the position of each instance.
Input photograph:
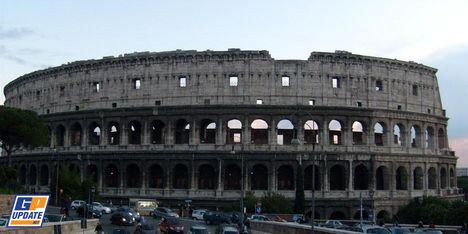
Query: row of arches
(286, 131)
(207, 177)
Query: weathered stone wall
(6, 202)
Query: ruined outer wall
(70, 86)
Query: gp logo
(28, 211)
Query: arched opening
(207, 177)
(259, 177)
(441, 138)
(334, 132)
(357, 215)
(114, 133)
(232, 177)
(156, 177)
(432, 177)
(381, 178)
(415, 136)
(75, 134)
(418, 177)
(311, 132)
(133, 176)
(92, 172)
(285, 132)
(32, 175)
(308, 178)
(44, 176)
(157, 132)
(180, 177)
(285, 178)
(401, 178)
(182, 131)
(338, 215)
(94, 134)
(452, 178)
(379, 134)
(429, 138)
(259, 132)
(358, 133)
(111, 176)
(398, 135)
(73, 168)
(234, 131)
(207, 131)
(22, 175)
(361, 177)
(337, 178)
(134, 133)
(60, 136)
(443, 178)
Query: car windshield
(378, 231)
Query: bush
(276, 203)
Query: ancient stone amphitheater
(174, 126)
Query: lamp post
(57, 169)
(233, 152)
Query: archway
(92, 172)
(94, 134)
(399, 135)
(134, 133)
(44, 176)
(381, 177)
(232, 177)
(285, 132)
(418, 177)
(75, 134)
(308, 178)
(180, 177)
(60, 135)
(182, 131)
(114, 133)
(259, 132)
(234, 131)
(358, 133)
(338, 215)
(133, 176)
(337, 178)
(285, 178)
(111, 176)
(22, 175)
(361, 177)
(401, 178)
(443, 178)
(259, 177)
(157, 132)
(32, 175)
(379, 134)
(207, 177)
(156, 176)
(334, 132)
(432, 178)
(207, 131)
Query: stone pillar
(389, 133)
(169, 136)
(220, 132)
(122, 175)
(145, 134)
(194, 137)
(104, 134)
(324, 129)
(411, 179)
(220, 175)
(326, 185)
(246, 131)
(144, 177)
(169, 176)
(350, 175)
(123, 132)
(273, 178)
(194, 176)
(272, 137)
(300, 130)
(392, 179)
(84, 134)
(100, 173)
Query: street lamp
(57, 169)
(233, 152)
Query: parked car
(171, 225)
(374, 229)
(120, 231)
(259, 218)
(298, 218)
(198, 230)
(400, 230)
(163, 212)
(104, 209)
(227, 230)
(333, 224)
(198, 214)
(90, 212)
(122, 218)
(211, 217)
(76, 203)
(148, 228)
(131, 212)
(275, 218)
(427, 231)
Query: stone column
(326, 185)
(325, 139)
(144, 179)
(145, 135)
(123, 132)
(100, 173)
(84, 134)
(300, 130)
(194, 137)
(273, 178)
(194, 177)
(220, 132)
(272, 137)
(220, 175)
(350, 175)
(104, 134)
(246, 131)
(169, 136)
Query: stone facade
(174, 125)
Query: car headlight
(124, 219)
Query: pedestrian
(99, 229)
(420, 224)
(138, 229)
(464, 229)
(432, 225)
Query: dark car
(163, 212)
(211, 217)
(120, 231)
(122, 218)
(131, 212)
(91, 213)
(198, 230)
(171, 225)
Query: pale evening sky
(39, 34)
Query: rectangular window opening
(136, 83)
(157, 102)
(399, 107)
(285, 81)
(183, 82)
(96, 87)
(259, 101)
(207, 101)
(237, 137)
(114, 105)
(312, 102)
(415, 90)
(336, 84)
(378, 86)
(233, 81)
(359, 104)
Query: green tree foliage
(299, 202)
(462, 182)
(70, 182)
(249, 203)
(9, 184)
(276, 203)
(434, 210)
(20, 128)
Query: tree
(275, 203)
(20, 128)
(9, 183)
(299, 202)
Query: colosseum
(201, 125)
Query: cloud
(17, 55)
(460, 146)
(15, 33)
